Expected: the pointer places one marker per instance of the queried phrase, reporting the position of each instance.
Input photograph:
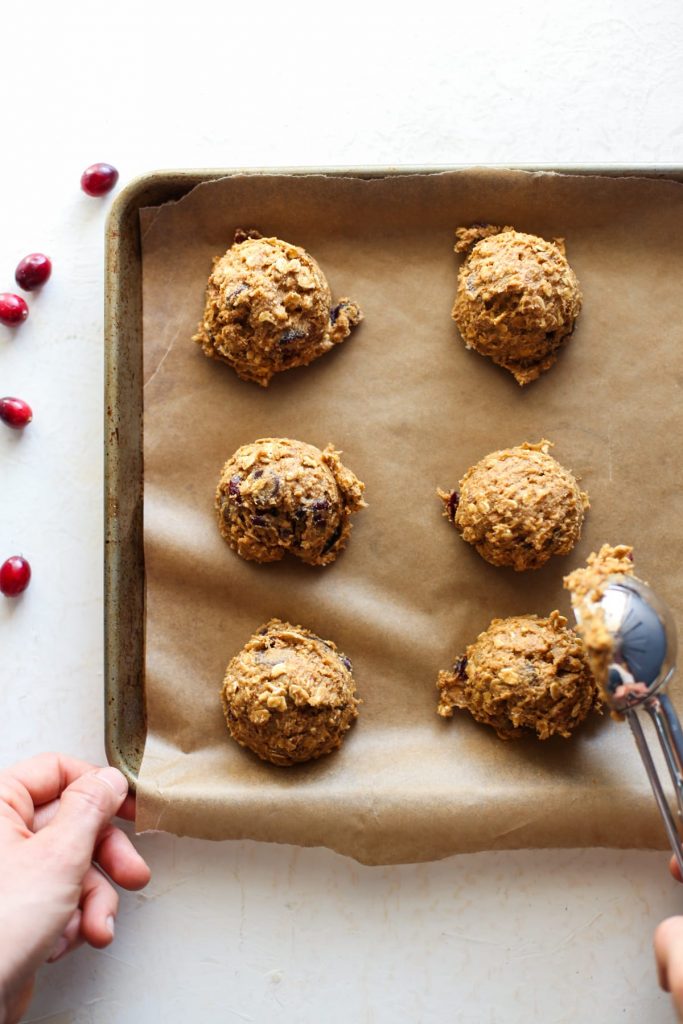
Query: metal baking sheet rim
(124, 572)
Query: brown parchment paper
(412, 409)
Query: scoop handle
(662, 802)
(668, 726)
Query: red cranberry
(15, 575)
(13, 309)
(98, 179)
(15, 412)
(33, 271)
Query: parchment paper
(412, 409)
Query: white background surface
(244, 932)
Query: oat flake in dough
(269, 309)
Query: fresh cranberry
(98, 179)
(15, 575)
(33, 271)
(15, 412)
(13, 309)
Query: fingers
(69, 939)
(94, 921)
(114, 851)
(127, 808)
(675, 870)
(16, 805)
(46, 775)
(38, 782)
(85, 809)
(46, 812)
(661, 946)
(669, 955)
(99, 906)
(116, 855)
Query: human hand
(56, 844)
(669, 952)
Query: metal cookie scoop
(643, 662)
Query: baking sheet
(412, 409)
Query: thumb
(85, 807)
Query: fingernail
(110, 925)
(114, 779)
(60, 949)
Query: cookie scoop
(630, 636)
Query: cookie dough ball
(277, 495)
(523, 674)
(518, 507)
(269, 308)
(288, 695)
(517, 298)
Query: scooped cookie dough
(523, 674)
(587, 587)
(518, 507)
(517, 298)
(269, 308)
(278, 495)
(288, 695)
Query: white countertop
(242, 931)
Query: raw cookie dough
(587, 586)
(288, 695)
(517, 298)
(277, 495)
(522, 674)
(269, 308)
(518, 507)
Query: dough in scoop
(288, 695)
(587, 587)
(517, 298)
(518, 507)
(523, 674)
(278, 495)
(269, 308)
